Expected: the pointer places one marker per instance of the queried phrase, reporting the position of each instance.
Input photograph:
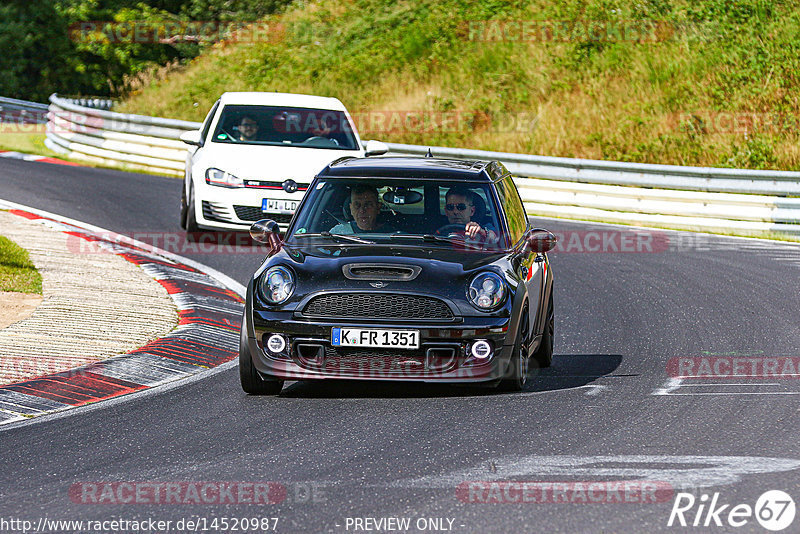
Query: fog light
(481, 349)
(276, 344)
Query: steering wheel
(320, 138)
(449, 229)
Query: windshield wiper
(432, 237)
(346, 237)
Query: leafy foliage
(80, 46)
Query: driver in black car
(460, 208)
(365, 206)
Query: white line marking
(669, 386)
(719, 385)
(688, 471)
(595, 389)
(737, 393)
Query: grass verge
(28, 143)
(17, 272)
(703, 83)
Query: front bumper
(444, 353)
(219, 208)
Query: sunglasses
(451, 207)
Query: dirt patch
(15, 307)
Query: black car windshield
(400, 211)
(283, 126)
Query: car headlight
(222, 178)
(487, 291)
(276, 285)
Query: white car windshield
(285, 126)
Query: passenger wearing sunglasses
(460, 208)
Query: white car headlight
(487, 291)
(277, 285)
(222, 178)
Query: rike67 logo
(774, 510)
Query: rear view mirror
(541, 241)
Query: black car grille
(251, 213)
(378, 305)
(373, 362)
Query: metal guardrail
(692, 198)
(107, 137)
(22, 111)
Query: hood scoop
(381, 271)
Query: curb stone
(207, 334)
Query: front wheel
(191, 220)
(517, 375)
(251, 380)
(544, 354)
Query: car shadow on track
(572, 371)
(567, 372)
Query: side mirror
(192, 137)
(266, 231)
(375, 148)
(541, 241)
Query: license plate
(368, 337)
(274, 205)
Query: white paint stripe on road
(688, 471)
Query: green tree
(36, 51)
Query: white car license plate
(274, 205)
(368, 337)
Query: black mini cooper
(403, 269)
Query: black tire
(252, 382)
(184, 208)
(517, 375)
(544, 354)
(191, 219)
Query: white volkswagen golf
(256, 154)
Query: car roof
(281, 99)
(415, 167)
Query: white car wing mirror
(192, 137)
(375, 148)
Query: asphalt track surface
(605, 411)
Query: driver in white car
(460, 208)
(248, 129)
